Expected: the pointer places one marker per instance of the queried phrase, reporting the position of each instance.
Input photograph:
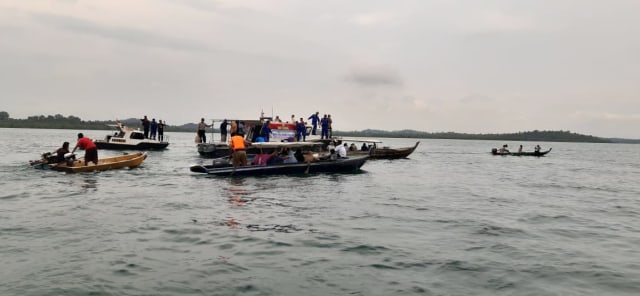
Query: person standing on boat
(324, 125)
(330, 122)
(161, 130)
(241, 127)
(314, 122)
(154, 128)
(234, 127)
(520, 149)
(145, 126)
(223, 131)
(202, 130)
(265, 131)
(238, 149)
(90, 149)
(301, 130)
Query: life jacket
(237, 143)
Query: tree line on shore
(72, 122)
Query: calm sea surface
(451, 220)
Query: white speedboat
(127, 138)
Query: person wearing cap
(90, 149)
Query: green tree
(4, 115)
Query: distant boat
(77, 165)
(374, 150)
(496, 151)
(127, 138)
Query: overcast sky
(431, 65)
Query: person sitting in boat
(537, 149)
(261, 159)
(333, 155)
(275, 158)
(504, 149)
(298, 155)
(290, 156)
(90, 149)
(341, 150)
(60, 153)
(364, 147)
(353, 147)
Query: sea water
(452, 219)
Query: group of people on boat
(151, 128)
(63, 155)
(505, 149)
(264, 133)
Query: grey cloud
(374, 76)
(143, 38)
(138, 37)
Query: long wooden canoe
(109, 163)
(386, 152)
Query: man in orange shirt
(238, 145)
(90, 149)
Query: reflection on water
(236, 192)
(89, 183)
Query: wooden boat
(109, 163)
(376, 152)
(340, 165)
(392, 153)
(495, 151)
(125, 138)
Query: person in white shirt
(341, 150)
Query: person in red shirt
(90, 149)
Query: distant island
(72, 122)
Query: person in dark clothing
(299, 156)
(265, 131)
(161, 130)
(223, 131)
(145, 126)
(62, 151)
(324, 125)
(301, 130)
(314, 122)
(154, 128)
